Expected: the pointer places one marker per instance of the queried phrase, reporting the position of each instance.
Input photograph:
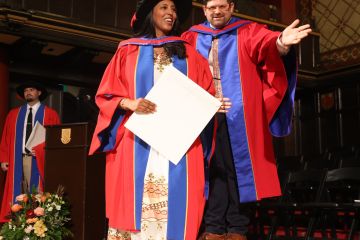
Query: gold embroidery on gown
(154, 212)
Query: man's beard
(29, 99)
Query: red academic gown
(261, 85)
(130, 75)
(11, 152)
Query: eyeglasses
(220, 7)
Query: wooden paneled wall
(116, 14)
(113, 14)
(316, 125)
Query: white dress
(155, 196)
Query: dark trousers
(223, 210)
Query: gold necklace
(162, 59)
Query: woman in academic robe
(147, 196)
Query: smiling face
(164, 17)
(218, 12)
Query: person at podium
(148, 197)
(20, 163)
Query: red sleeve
(51, 117)
(190, 37)
(112, 89)
(199, 70)
(40, 158)
(6, 137)
(206, 76)
(210, 130)
(262, 49)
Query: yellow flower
(40, 228)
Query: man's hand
(225, 105)
(293, 35)
(4, 166)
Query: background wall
(70, 42)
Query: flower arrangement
(36, 216)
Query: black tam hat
(32, 84)
(143, 7)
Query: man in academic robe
(254, 69)
(20, 163)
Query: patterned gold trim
(115, 234)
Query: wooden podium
(67, 163)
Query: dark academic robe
(130, 75)
(261, 86)
(11, 148)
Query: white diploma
(36, 137)
(183, 109)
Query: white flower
(58, 207)
(1, 238)
(26, 238)
(28, 229)
(38, 197)
(50, 209)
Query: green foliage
(37, 216)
